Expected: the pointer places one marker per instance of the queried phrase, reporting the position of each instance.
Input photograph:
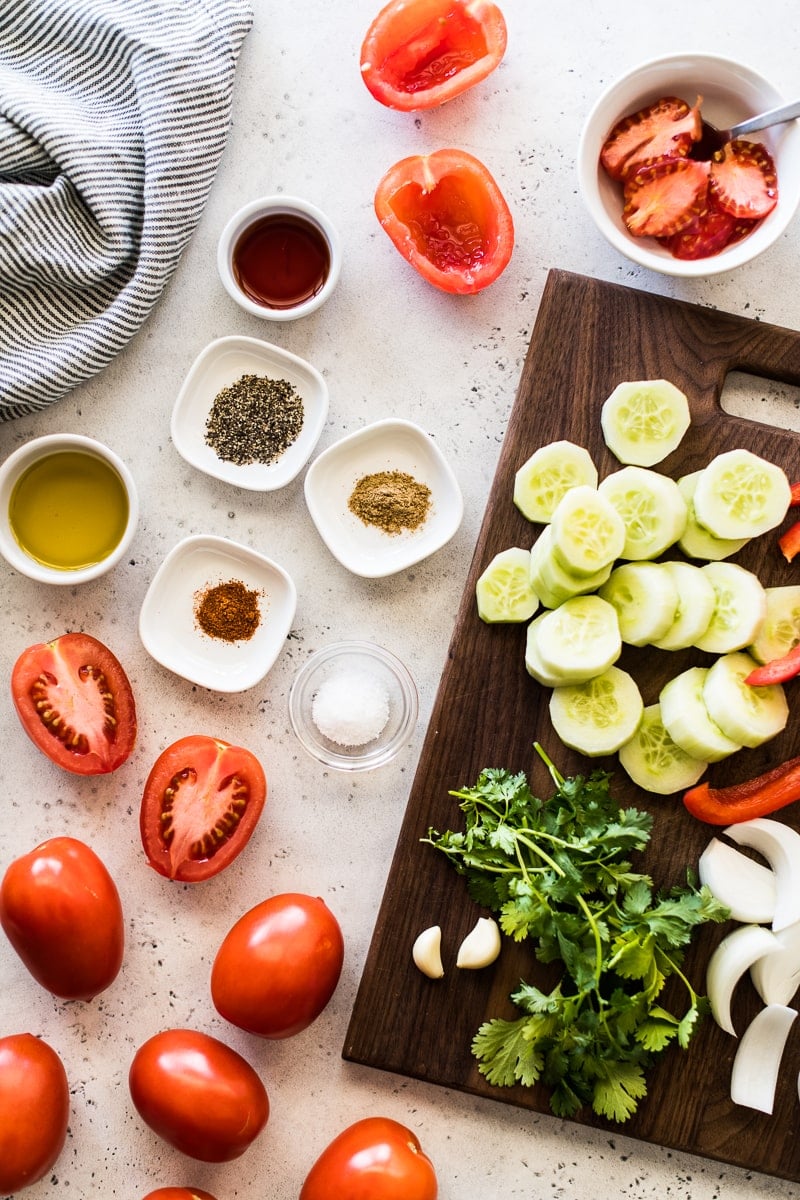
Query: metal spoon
(714, 139)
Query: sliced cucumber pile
(548, 475)
(644, 420)
(591, 569)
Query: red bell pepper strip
(795, 500)
(789, 542)
(777, 670)
(743, 801)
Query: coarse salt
(350, 708)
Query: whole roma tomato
(374, 1159)
(278, 966)
(447, 216)
(75, 702)
(62, 914)
(179, 1193)
(420, 53)
(201, 803)
(198, 1094)
(34, 1110)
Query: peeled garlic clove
(481, 946)
(427, 952)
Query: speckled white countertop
(388, 345)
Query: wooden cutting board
(588, 336)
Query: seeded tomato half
(202, 801)
(447, 216)
(75, 703)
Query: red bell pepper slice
(777, 670)
(795, 500)
(447, 216)
(419, 53)
(743, 801)
(789, 542)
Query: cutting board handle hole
(767, 401)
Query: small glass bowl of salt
(353, 706)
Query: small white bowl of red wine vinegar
(279, 258)
(68, 509)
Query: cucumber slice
(696, 541)
(645, 599)
(533, 660)
(552, 582)
(686, 719)
(696, 600)
(599, 716)
(542, 481)
(740, 605)
(644, 420)
(588, 532)
(740, 495)
(745, 714)
(579, 639)
(504, 591)
(654, 762)
(780, 631)
(652, 509)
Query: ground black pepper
(228, 611)
(256, 419)
(392, 500)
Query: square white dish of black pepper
(249, 413)
(217, 613)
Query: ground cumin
(392, 500)
(228, 611)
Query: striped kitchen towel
(113, 118)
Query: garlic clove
(427, 952)
(481, 946)
(754, 1075)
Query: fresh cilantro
(559, 871)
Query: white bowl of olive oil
(68, 509)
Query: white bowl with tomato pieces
(658, 195)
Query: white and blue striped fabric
(113, 118)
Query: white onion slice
(745, 886)
(780, 846)
(427, 952)
(754, 1076)
(734, 955)
(776, 976)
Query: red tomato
(178, 1193)
(198, 1094)
(447, 216)
(375, 1159)
(420, 53)
(201, 803)
(278, 966)
(75, 702)
(62, 914)
(34, 1110)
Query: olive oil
(69, 510)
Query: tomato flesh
(374, 1159)
(198, 1094)
(61, 911)
(420, 53)
(75, 703)
(446, 215)
(34, 1110)
(278, 966)
(179, 1193)
(202, 801)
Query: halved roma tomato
(419, 53)
(61, 911)
(447, 216)
(34, 1110)
(374, 1159)
(201, 803)
(75, 702)
(179, 1193)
